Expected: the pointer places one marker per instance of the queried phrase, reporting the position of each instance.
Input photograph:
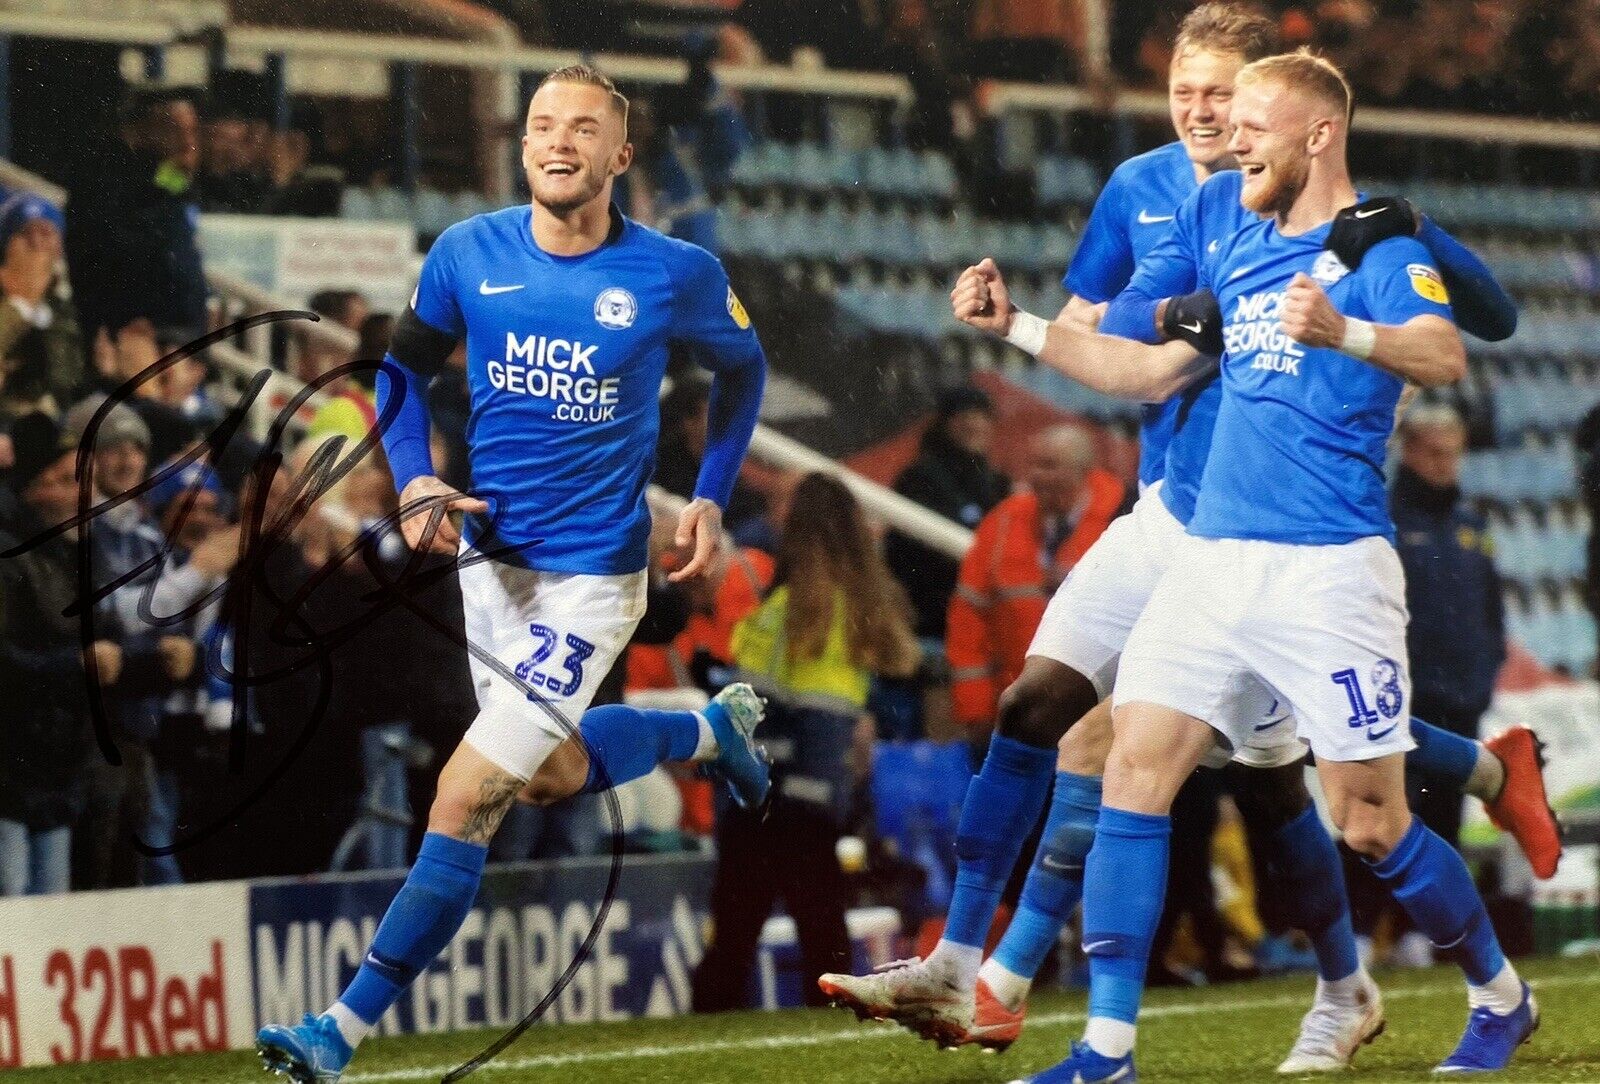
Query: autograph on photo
(266, 526)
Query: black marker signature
(264, 530)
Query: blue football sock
(1124, 886)
(626, 743)
(1002, 806)
(1442, 753)
(1055, 881)
(1430, 880)
(424, 916)
(1311, 878)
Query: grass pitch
(1222, 1034)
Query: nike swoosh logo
(1065, 867)
(1369, 214)
(1092, 945)
(1268, 726)
(1240, 271)
(1380, 735)
(1193, 329)
(485, 289)
(1148, 219)
(1077, 1078)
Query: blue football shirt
(1133, 213)
(1210, 214)
(565, 357)
(1298, 448)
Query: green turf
(1230, 1034)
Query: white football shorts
(1089, 618)
(1321, 628)
(550, 638)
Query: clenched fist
(1308, 317)
(981, 300)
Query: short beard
(1276, 200)
(567, 206)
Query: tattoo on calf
(495, 796)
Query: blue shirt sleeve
(1103, 263)
(1482, 306)
(1399, 282)
(435, 299)
(1171, 269)
(401, 390)
(711, 319)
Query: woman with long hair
(833, 618)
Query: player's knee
(1269, 798)
(1042, 703)
(1086, 744)
(1372, 829)
(563, 774)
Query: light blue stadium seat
(356, 202)
(392, 205)
(938, 175)
(433, 213)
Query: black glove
(1356, 229)
(1196, 319)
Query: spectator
(1456, 639)
(192, 509)
(294, 185)
(39, 335)
(346, 308)
(834, 618)
(125, 356)
(46, 734)
(682, 444)
(229, 181)
(1021, 553)
(951, 477)
(132, 216)
(352, 407)
(155, 662)
(717, 601)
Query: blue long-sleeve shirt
(565, 357)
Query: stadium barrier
(96, 976)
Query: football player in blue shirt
(1072, 660)
(567, 309)
(1288, 586)
(1068, 668)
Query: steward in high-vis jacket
(1022, 551)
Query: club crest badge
(615, 308)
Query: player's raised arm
(1115, 366)
(424, 336)
(712, 320)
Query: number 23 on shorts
(545, 639)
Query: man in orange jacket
(1021, 552)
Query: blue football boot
(1490, 1039)
(1085, 1066)
(734, 714)
(312, 1053)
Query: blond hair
(1307, 73)
(590, 77)
(1241, 29)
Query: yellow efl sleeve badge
(1426, 281)
(736, 310)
